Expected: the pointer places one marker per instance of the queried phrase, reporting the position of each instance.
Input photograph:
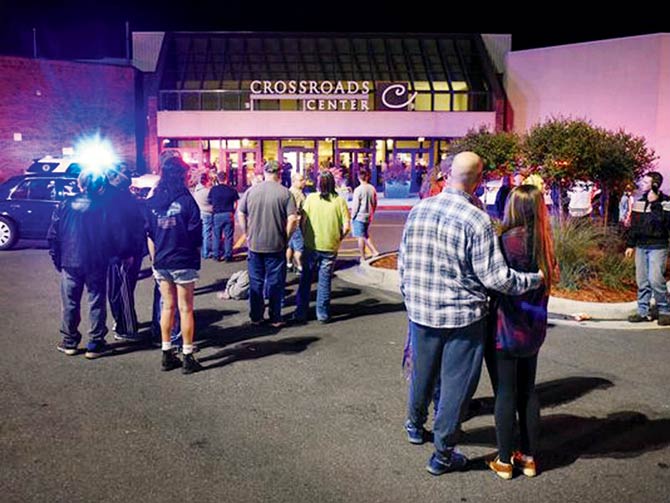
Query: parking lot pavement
(306, 413)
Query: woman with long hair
(521, 327)
(175, 236)
(324, 222)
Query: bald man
(449, 257)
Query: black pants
(121, 281)
(516, 394)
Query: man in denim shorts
(364, 205)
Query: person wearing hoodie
(174, 229)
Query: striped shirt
(449, 256)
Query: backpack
(238, 286)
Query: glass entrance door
(240, 166)
(419, 161)
(352, 160)
(299, 160)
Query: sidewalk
(561, 311)
(390, 204)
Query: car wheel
(9, 234)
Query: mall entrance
(419, 161)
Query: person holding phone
(648, 239)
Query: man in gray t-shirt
(267, 215)
(362, 212)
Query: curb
(561, 311)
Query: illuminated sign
(331, 96)
(325, 96)
(394, 96)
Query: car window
(43, 189)
(67, 188)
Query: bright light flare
(96, 153)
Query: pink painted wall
(320, 124)
(620, 83)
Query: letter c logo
(398, 90)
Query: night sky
(87, 29)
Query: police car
(27, 203)
(52, 165)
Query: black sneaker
(68, 350)
(637, 318)
(128, 338)
(170, 361)
(664, 320)
(191, 365)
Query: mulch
(595, 291)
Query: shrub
(574, 243)
(586, 251)
(396, 172)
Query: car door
(32, 203)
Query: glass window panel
(210, 101)
(190, 101)
(442, 102)
(422, 102)
(270, 150)
(460, 102)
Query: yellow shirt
(323, 221)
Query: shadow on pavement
(366, 307)
(564, 438)
(217, 286)
(338, 293)
(256, 349)
(550, 393)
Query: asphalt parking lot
(307, 413)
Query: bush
(617, 272)
(586, 251)
(396, 172)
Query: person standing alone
(648, 241)
(223, 199)
(362, 213)
(267, 215)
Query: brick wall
(54, 103)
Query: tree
(499, 151)
(621, 158)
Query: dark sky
(78, 29)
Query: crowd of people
(99, 237)
(474, 291)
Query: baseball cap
(271, 167)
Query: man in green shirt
(325, 221)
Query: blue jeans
(323, 264)
(649, 270)
(224, 223)
(73, 280)
(454, 355)
(207, 221)
(266, 270)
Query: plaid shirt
(449, 257)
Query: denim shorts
(177, 276)
(297, 243)
(359, 229)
